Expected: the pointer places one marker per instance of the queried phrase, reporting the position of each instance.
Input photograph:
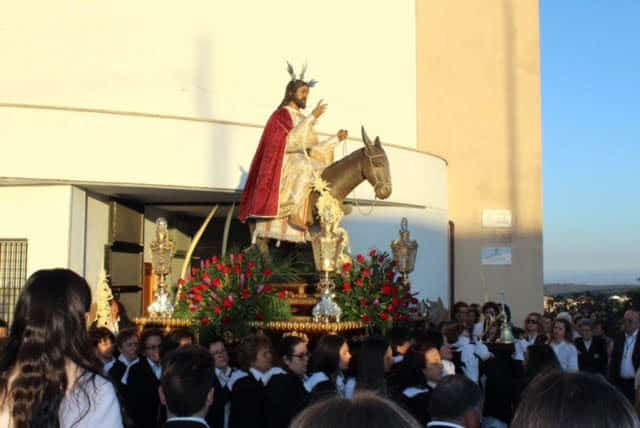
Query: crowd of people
(54, 372)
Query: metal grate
(13, 274)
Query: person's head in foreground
(185, 385)
(559, 399)
(365, 410)
(456, 400)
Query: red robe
(261, 194)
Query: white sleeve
(572, 365)
(520, 348)
(482, 352)
(104, 408)
(298, 137)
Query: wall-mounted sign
(496, 255)
(496, 218)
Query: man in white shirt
(625, 358)
(185, 388)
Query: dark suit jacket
(142, 400)
(221, 396)
(616, 356)
(185, 424)
(323, 390)
(285, 397)
(247, 404)
(595, 359)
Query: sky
(590, 60)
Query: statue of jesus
(288, 159)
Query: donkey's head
(376, 166)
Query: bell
(506, 335)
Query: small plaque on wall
(496, 255)
(496, 218)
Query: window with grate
(13, 274)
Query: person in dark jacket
(185, 388)
(143, 381)
(592, 350)
(329, 362)
(285, 392)
(246, 385)
(218, 415)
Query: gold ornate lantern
(404, 251)
(327, 248)
(162, 251)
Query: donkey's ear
(377, 142)
(365, 138)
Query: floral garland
(370, 291)
(225, 293)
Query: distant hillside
(563, 289)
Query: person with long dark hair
(285, 392)
(419, 374)
(562, 344)
(329, 362)
(50, 376)
(375, 359)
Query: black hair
(247, 350)
(286, 348)
(49, 329)
(290, 91)
(186, 379)
(454, 397)
(540, 358)
(559, 399)
(125, 334)
(370, 374)
(326, 355)
(98, 334)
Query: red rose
(239, 258)
(259, 316)
(396, 301)
(389, 274)
(366, 273)
(181, 281)
(387, 290)
(248, 274)
(391, 308)
(359, 282)
(219, 267)
(360, 258)
(380, 259)
(237, 269)
(251, 264)
(394, 263)
(365, 319)
(197, 297)
(364, 303)
(266, 273)
(216, 283)
(195, 290)
(217, 310)
(246, 293)
(226, 320)
(346, 288)
(194, 271)
(214, 259)
(373, 253)
(282, 295)
(346, 268)
(228, 303)
(204, 321)
(207, 264)
(384, 316)
(268, 288)
(193, 308)
(205, 276)
(226, 270)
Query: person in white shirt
(561, 343)
(185, 387)
(625, 358)
(471, 353)
(52, 377)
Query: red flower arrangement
(224, 293)
(369, 291)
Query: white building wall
(41, 214)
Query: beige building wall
(478, 98)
